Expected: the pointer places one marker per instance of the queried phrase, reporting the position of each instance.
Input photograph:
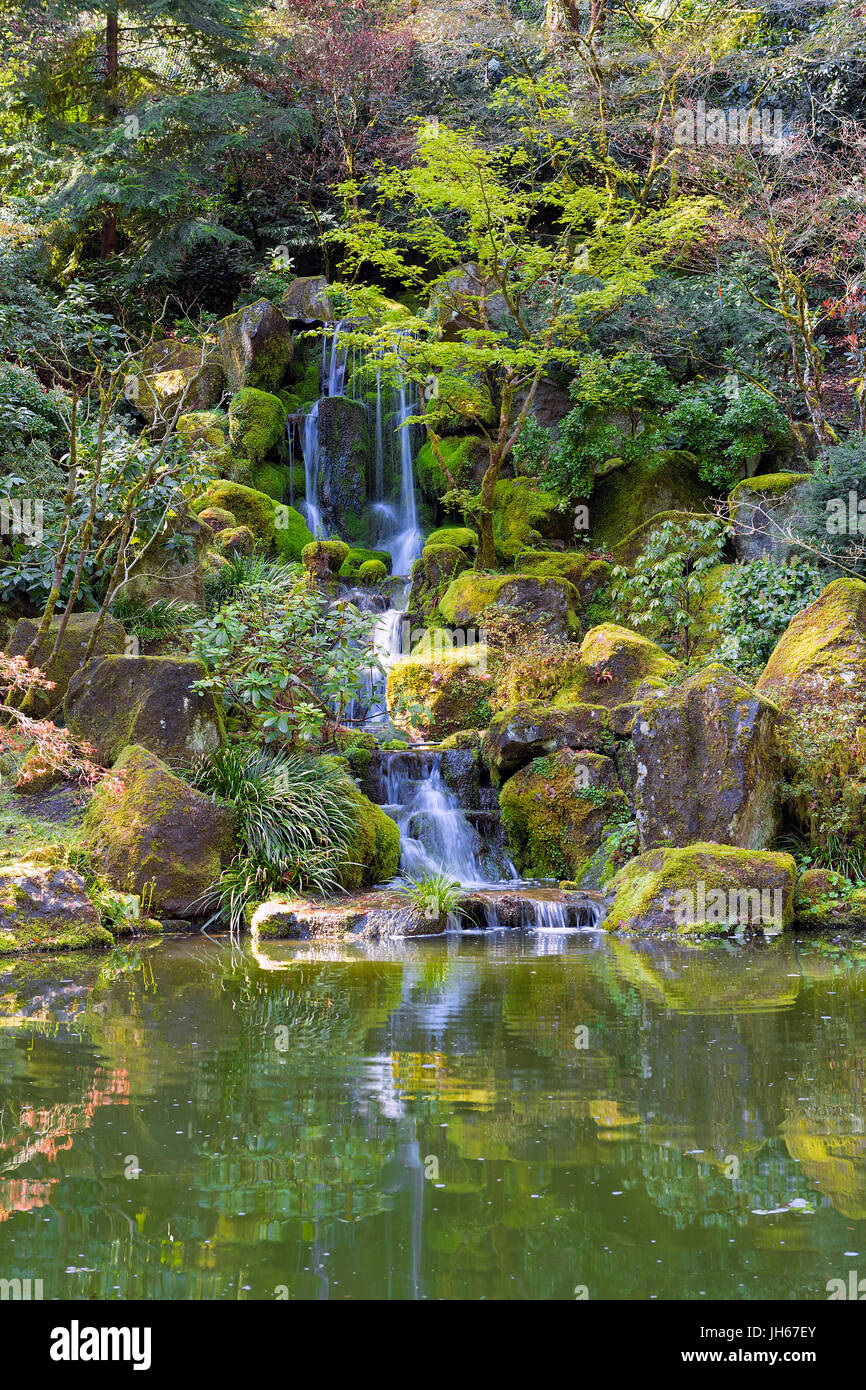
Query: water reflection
(449, 1119)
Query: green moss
(460, 452)
(236, 540)
(645, 891)
(273, 480)
(460, 537)
(257, 424)
(522, 515)
(554, 809)
(373, 853)
(441, 694)
(351, 566)
(372, 572)
(664, 480)
(217, 518)
(324, 557)
(768, 484)
(617, 667)
(582, 569)
(282, 531)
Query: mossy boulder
(235, 540)
(618, 668)
(76, 639)
(531, 729)
(206, 435)
(761, 510)
(351, 567)
(708, 764)
(464, 456)
(174, 376)
(280, 529)
(306, 300)
(373, 853)
(171, 566)
(442, 693)
(583, 569)
(257, 424)
(373, 572)
(273, 479)
(548, 603)
(664, 480)
(46, 909)
(432, 572)
(324, 558)
(826, 901)
(255, 346)
(554, 809)
(459, 537)
(147, 700)
(217, 519)
(816, 674)
(701, 889)
(465, 298)
(523, 515)
(155, 835)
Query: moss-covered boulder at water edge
(442, 692)
(157, 836)
(46, 909)
(373, 852)
(553, 812)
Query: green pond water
(188, 1119)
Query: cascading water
(311, 471)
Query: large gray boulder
(149, 700)
(70, 656)
(46, 909)
(707, 764)
(255, 346)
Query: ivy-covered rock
(708, 764)
(255, 346)
(145, 700)
(553, 812)
(761, 510)
(524, 515)
(76, 639)
(46, 909)
(157, 836)
(442, 693)
(173, 375)
(280, 529)
(702, 889)
(257, 423)
(549, 603)
(531, 729)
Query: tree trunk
(109, 222)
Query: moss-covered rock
(708, 764)
(703, 888)
(306, 300)
(629, 550)
(273, 479)
(257, 424)
(373, 853)
(816, 674)
(524, 515)
(459, 537)
(554, 809)
(548, 603)
(826, 901)
(618, 667)
(464, 456)
(664, 480)
(432, 572)
(145, 700)
(531, 729)
(46, 909)
(205, 434)
(761, 509)
(76, 639)
(280, 529)
(235, 540)
(174, 376)
(344, 455)
(357, 556)
(255, 346)
(156, 836)
(324, 558)
(586, 571)
(171, 566)
(442, 693)
(217, 519)
(373, 572)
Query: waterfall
(311, 471)
(337, 364)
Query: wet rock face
(46, 909)
(145, 700)
(157, 836)
(707, 765)
(554, 810)
(76, 639)
(255, 346)
(344, 449)
(703, 889)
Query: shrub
(760, 598)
